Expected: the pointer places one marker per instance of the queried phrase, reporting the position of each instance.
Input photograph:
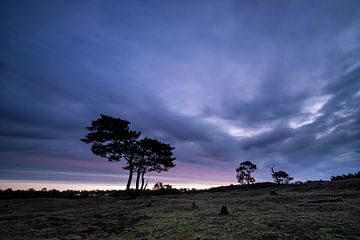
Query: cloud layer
(274, 83)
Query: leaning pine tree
(153, 156)
(111, 138)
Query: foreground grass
(254, 214)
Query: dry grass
(295, 213)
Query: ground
(309, 211)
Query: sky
(273, 82)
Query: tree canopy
(152, 155)
(244, 172)
(112, 138)
(281, 177)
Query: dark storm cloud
(269, 138)
(273, 100)
(276, 83)
(332, 139)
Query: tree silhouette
(111, 138)
(158, 186)
(281, 177)
(346, 176)
(152, 155)
(145, 152)
(244, 172)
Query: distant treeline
(73, 194)
(346, 176)
(158, 189)
(53, 193)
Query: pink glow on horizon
(100, 174)
(38, 185)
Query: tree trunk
(142, 179)
(131, 169)
(138, 179)
(146, 183)
(274, 175)
(139, 170)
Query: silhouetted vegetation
(281, 177)
(158, 189)
(152, 155)
(346, 176)
(160, 186)
(53, 193)
(112, 138)
(244, 172)
(313, 210)
(236, 187)
(73, 194)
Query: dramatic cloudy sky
(274, 82)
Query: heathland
(316, 210)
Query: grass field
(309, 211)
